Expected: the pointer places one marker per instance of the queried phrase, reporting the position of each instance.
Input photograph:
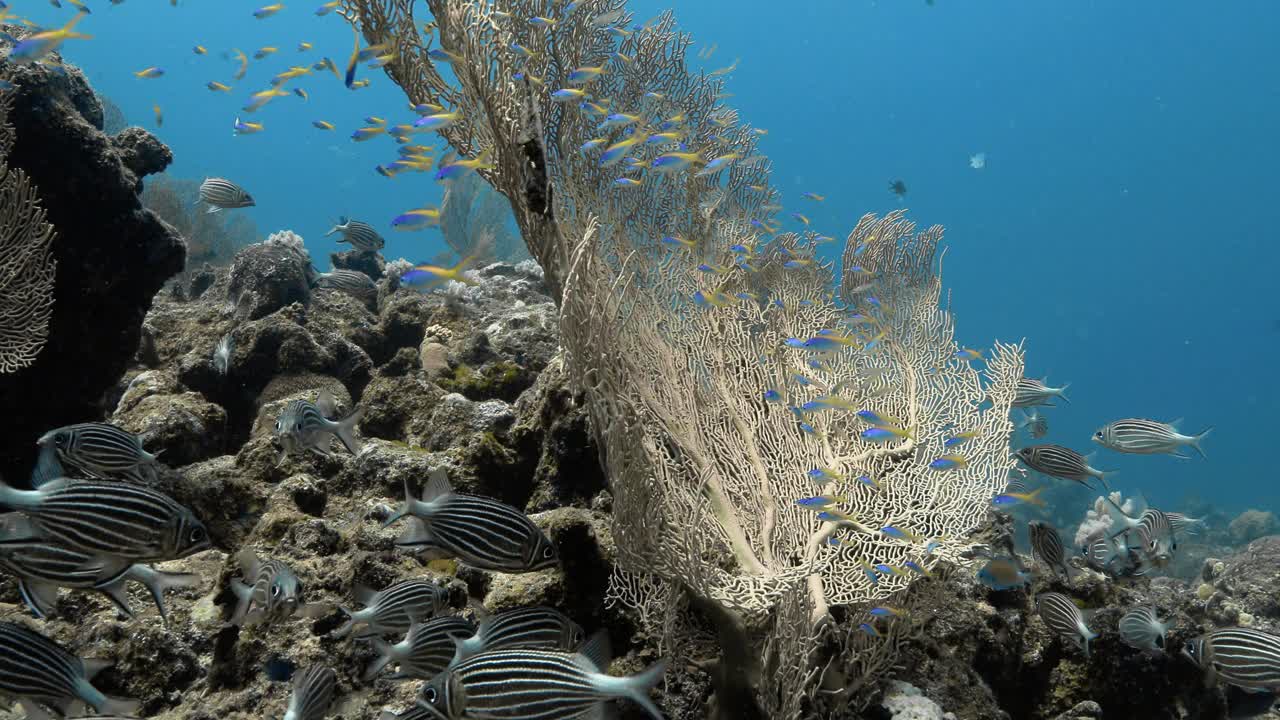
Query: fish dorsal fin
(1175, 423)
(93, 666)
(596, 653)
(249, 564)
(363, 594)
(326, 404)
(437, 486)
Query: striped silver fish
(37, 671)
(101, 450)
(1243, 657)
(1154, 530)
(1147, 437)
(1064, 619)
(1046, 545)
(1031, 392)
(1035, 423)
(1141, 628)
(537, 685)
(425, 651)
(303, 426)
(538, 628)
(479, 531)
(43, 567)
(267, 591)
(361, 235)
(1184, 524)
(351, 282)
(120, 524)
(394, 609)
(222, 194)
(222, 354)
(312, 693)
(1061, 462)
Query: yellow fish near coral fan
(40, 45)
(426, 274)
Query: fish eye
(197, 534)
(278, 426)
(548, 552)
(1098, 434)
(275, 590)
(60, 440)
(429, 694)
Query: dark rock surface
(113, 255)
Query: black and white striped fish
(1243, 657)
(351, 282)
(425, 651)
(47, 466)
(479, 531)
(304, 426)
(394, 609)
(222, 194)
(1141, 628)
(1153, 527)
(1031, 392)
(1061, 462)
(36, 671)
(118, 523)
(1046, 545)
(222, 354)
(1147, 437)
(267, 591)
(537, 685)
(101, 450)
(1182, 523)
(1064, 619)
(43, 567)
(538, 628)
(312, 695)
(361, 235)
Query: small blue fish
(868, 480)
(869, 572)
(772, 396)
(959, 438)
(914, 566)
(868, 629)
(821, 501)
(888, 570)
(873, 418)
(1003, 574)
(900, 534)
(885, 612)
(883, 434)
(808, 428)
(949, 462)
(823, 476)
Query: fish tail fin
(345, 431)
(1062, 393)
(1034, 497)
(405, 509)
(244, 595)
(386, 653)
(348, 626)
(1197, 439)
(639, 686)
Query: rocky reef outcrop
(112, 254)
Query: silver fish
(1141, 628)
(479, 531)
(120, 524)
(1147, 437)
(101, 450)
(222, 194)
(425, 651)
(361, 235)
(312, 693)
(1184, 524)
(37, 671)
(1035, 423)
(1243, 657)
(1064, 619)
(303, 426)
(1153, 527)
(43, 567)
(1031, 392)
(1046, 545)
(394, 609)
(538, 685)
(1061, 462)
(538, 628)
(351, 282)
(222, 354)
(267, 592)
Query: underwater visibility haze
(819, 360)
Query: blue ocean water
(1123, 224)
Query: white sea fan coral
(397, 268)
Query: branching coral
(26, 262)
(681, 304)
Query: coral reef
(211, 237)
(112, 254)
(1251, 525)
